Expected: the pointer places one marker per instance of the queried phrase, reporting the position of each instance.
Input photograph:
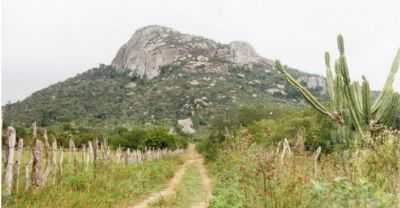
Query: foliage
(232, 120)
(106, 97)
(136, 138)
(140, 138)
(250, 175)
(316, 129)
(269, 125)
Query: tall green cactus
(350, 102)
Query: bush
(139, 138)
(316, 129)
(269, 125)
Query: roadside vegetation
(112, 186)
(134, 138)
(343, 152)
(247, 174)
(103, 171)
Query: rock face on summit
(244, 53)
(152, 47)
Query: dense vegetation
(250, 175)
(107, 97)
(269, 125)
(250, 169)
(135, 138)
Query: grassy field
(110, 185)
(188, 192)
(250, 175)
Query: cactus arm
(357, 92)
(348, 91)
(307, 95)
(351, 101)
(366, 100)
(349, 94)
(389, 105)
(329, 78)
(388, 87)
(339, 99)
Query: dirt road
(192, 157)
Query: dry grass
(249, 175)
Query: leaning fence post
(36, 166)
(10, 160)
(18, 160)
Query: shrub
(139, 138)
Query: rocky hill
(162, 76)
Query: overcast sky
(47, 41)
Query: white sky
(46, 41)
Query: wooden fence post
(90, 150)
(48, 157)
(27, 172)
(18, 161)
(54, 158)
(72, 150)
(54, 152)
(316, 157)
(118, 155)
(83, 152)
(95, 149)
(105, 149)
(34, 130)
(10, 160)
(95, 153)
(61, 161)
(36, 166)
(127, 155)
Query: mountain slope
(160, 76)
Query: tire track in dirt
(170, 189)
(207, 186)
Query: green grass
(250, 175)
(188, 192)
(113, 185)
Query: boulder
(186, 126)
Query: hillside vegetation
(187, 77)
